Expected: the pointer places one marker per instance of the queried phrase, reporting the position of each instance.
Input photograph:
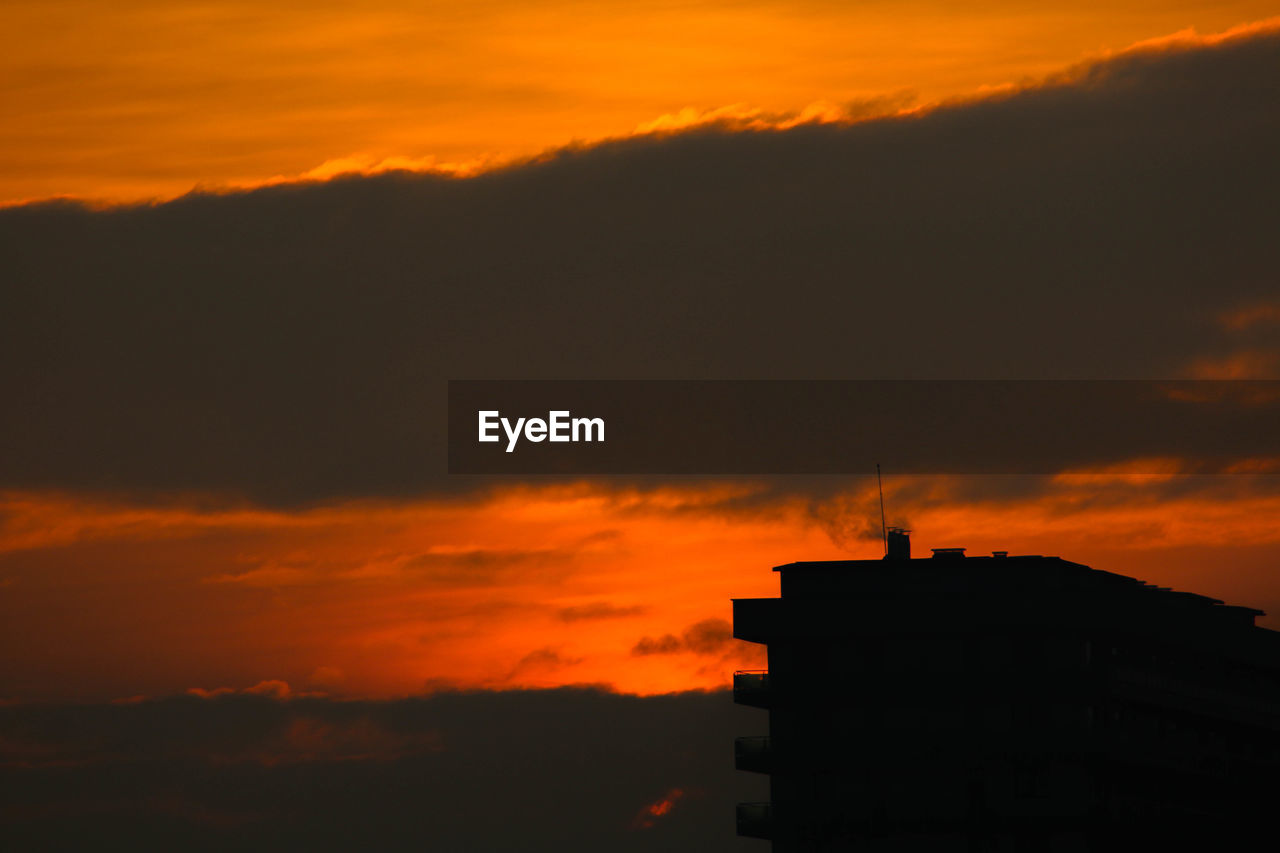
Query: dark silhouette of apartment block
(1006, 703)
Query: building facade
(1005, 703)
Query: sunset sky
(243, 247)
(146, 100)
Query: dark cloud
(850, 520)
(542, 660)
(708, 637)
(527, 770)
(667, 644)
(598, 610)
(292, 343)
(487, 565)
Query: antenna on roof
(884, 531)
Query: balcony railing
(753, 754)
(751, 687)
(755, 820)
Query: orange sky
(143, 99)
(533, 587)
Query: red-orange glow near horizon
(532, 587)
(143, 99)
(651, 813)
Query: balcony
(756, 620)
(755, 820)
(753, 754)
(751, 687)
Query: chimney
(899, 542)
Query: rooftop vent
(898, 543)
(947, 553)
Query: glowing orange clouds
(651, 813)
(535, 587)
(1254, 353)
(520, 589)
(141, 98)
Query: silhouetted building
(1007, 704)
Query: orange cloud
(1259, 363)
(273, 688)
(537, 587)
(649, 815)
(144, 100)
(1251, 316)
